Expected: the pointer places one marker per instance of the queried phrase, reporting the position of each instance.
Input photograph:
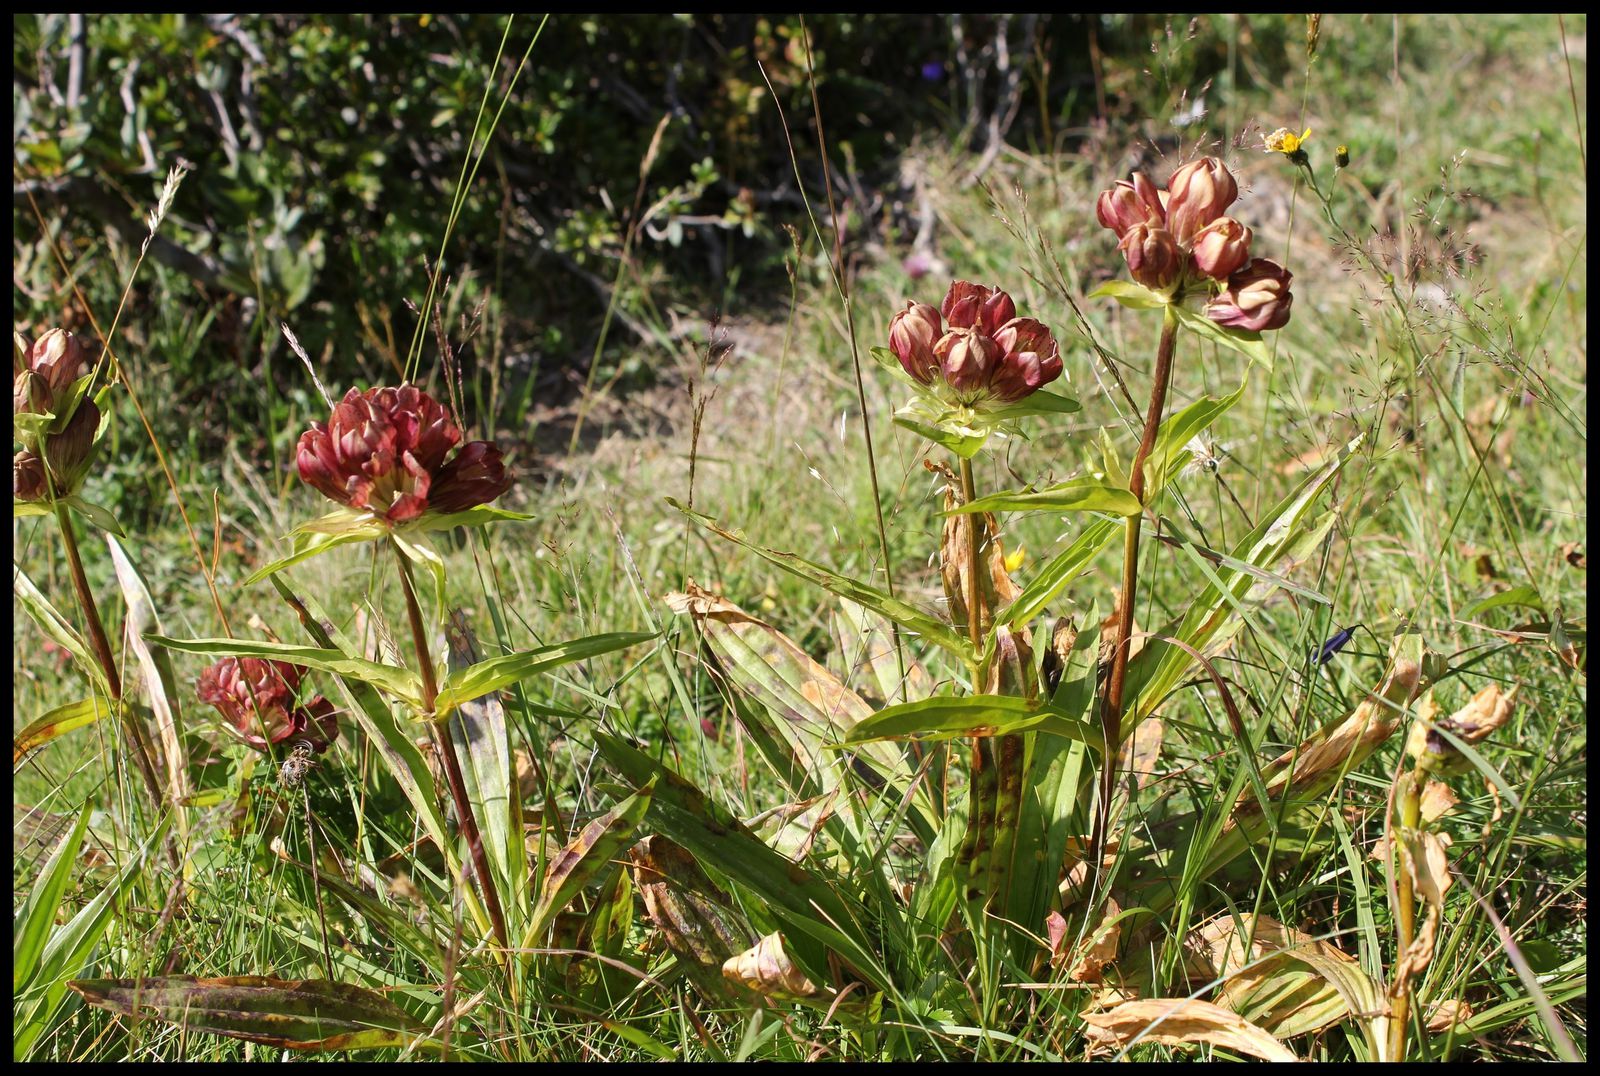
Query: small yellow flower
(1014, 559)
(1285, 141)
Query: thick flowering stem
(1111, 707)
(445, 746)
(139, 744)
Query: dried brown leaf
(1437, 799)
(1100, 949)
(766, 969)
(1182, 1022)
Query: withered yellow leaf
(1182, 1022)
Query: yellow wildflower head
(1285, 141)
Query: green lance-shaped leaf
(38, 915)
(903, 613)
(1086, 494)
(307, 543)
(69, 948)
(1216, 613)
(56, 722)
(1172, 441)
(1247, 343)
(482, 743)
(801, 703)
(56, 626)
(396, 681)
(503, 671)
(1171, 449)
(98, 515)
(803, 900)
(947, 718)
(590, 854)
(1134, 296)
(313, 1015)
(965, 445)
(392, 740)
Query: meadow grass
(1452, 333)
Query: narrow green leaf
(57, 722)
(591, 853)
(1043, 402)
(1249, 344)
(1059, 571)
(99, 516)
(1525, 595)
(56, 626)
(1171, 449)
(37, 918)
(1130, 294)
(315, 546)
(903, 613)
(398, 682)
(1086, 494)
(944, 718)
(496, 673)
(962, 444)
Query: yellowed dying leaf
(1142, 751)
(1437, 800)
(955, 557)
(1097, 951)
(767, 969)
(1448, 1012)
(1424, 859)
(1182, 1022)
(1487, 711)
(1279, 981)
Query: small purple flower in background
(932, 71)
(917, 264)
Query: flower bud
(970, 305)
(58, 358)
(967, 358)
(27, 477)
(1029, 359)
(1198, 193)
(1221, 248)
(912, 334)
(1153, 256)
(1341, 156)
(30, 394)
(41, 373)
(70, 452)
(1257, 298)
(476, 476)
(1131, 202)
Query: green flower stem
(98, 642)
(445, 747)
(1111, 707)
